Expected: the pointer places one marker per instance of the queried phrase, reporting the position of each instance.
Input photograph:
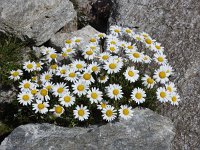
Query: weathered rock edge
(146, 130)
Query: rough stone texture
(7, 95)
(58, 40)
(35, 19)
(146, 131)
(176, 25)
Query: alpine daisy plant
(102, 80)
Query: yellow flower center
(148, 41)
(117, 30)
(58, 109)
(100, 35)
(125, 111)
(40, 106)
(90, 52)
(150, 81)
(47, 77)
(138, 95)
(81, 87)
(94, 68)
(34, 91)
(169, 88)
(54, 66)
(162, 74)
(63, 71)
(68, 41)
(43, 92)
(113, 42)
(128, 31)
(77, 40)
(72, 75)
(138, 38)
(160, 59)
(112, 66)
(103, 105)
(53, 56)
(81, 112)
(136, 55)
(79, 66)
(130, 47)
(109, 113)
(158, 47)
(174, 99)
(69, 50)
(38, 65)
(34, 78)
(105, 57)
(102, 77)
(29, 66)
(131, 73)
(25, 97)
(112, 49)
(92, 40)
(115, 92)
(67, 99)
(60, 90)
(94, 95)
(15, 73)
(162, 94)
(87, 76)
(26, 85)
(64, 54)
(48, 87)
(93, 47)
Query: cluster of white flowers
(112, 74)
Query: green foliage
(10, 55)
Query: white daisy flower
(100, 35)
(57, 110)
(34, 91)
(128, 31)
(160, 58)
(94, 47)
(112, 40)
(48, 85)
(170, 87)
(68, 50)
(115, 30)
(104, 56)
(148, 81)
(113, 48)
(93, 40)
(47, 50)
(72, 75)
(67, 99)
(94, 95)
(157, 47)
(138, 95)
(146, 59)
(78, 65)
(168, 68)
(161, 75)
(62, 71)
(53, 68)
(40, 106)
(174, 98)
(145, 35)
(114, 91)
(138, 37)
(102, 105)
(81, 113)
(69, 42)
(113, 66)
(43, 94)
(109, 113)
(94, 67)
(77, 40)
(26, 85)
(59, 89)
(15, 74)
(123, 44)
(52, 56)
(25, 98)
(125, 112)
(131, 74)
(130, 48)
(39, 66)
(46, 77)
(29, 66)
(162, 94)
(136, 56)
(103, 79)
(87, 77)
(80, 88)
(89, 54)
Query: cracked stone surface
(36, 20)
(145, 131)
(176, 25)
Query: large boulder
(145, 131)
(176, 25)
(35, 19)
(58, 40)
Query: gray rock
(7, 95)
(145, 131)
(58, 40)
(35, 19)
(176, 25)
